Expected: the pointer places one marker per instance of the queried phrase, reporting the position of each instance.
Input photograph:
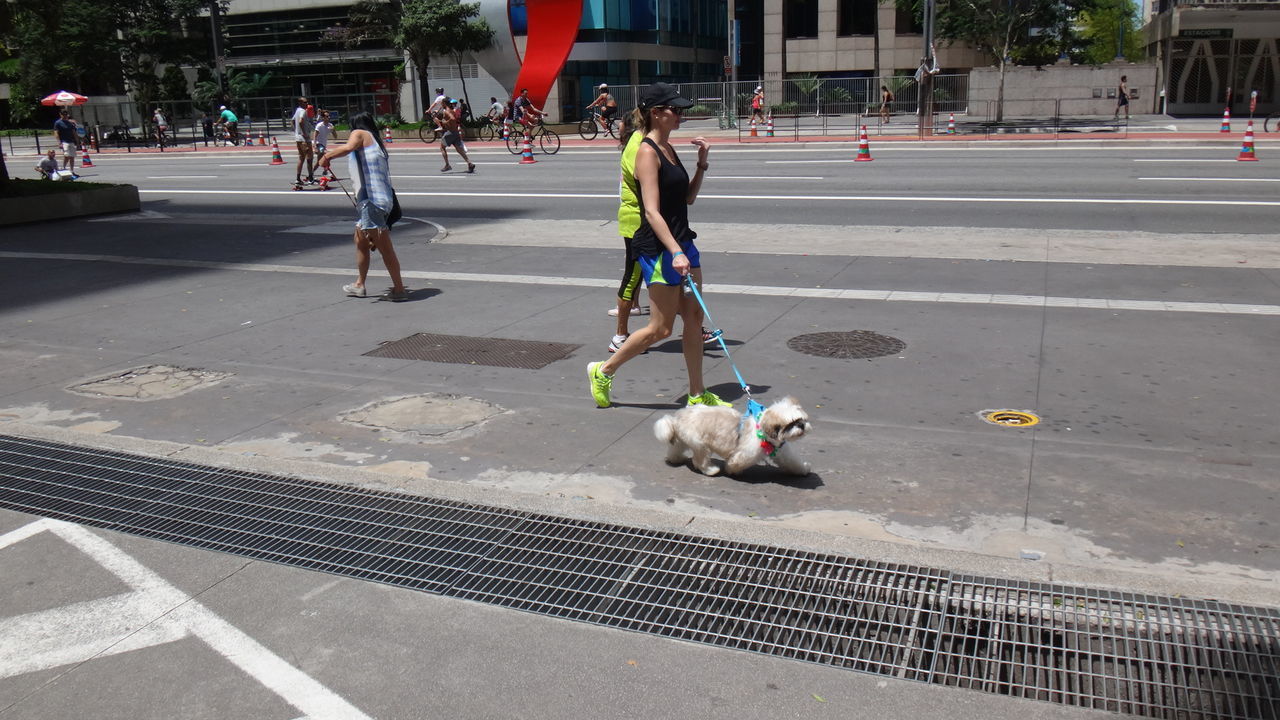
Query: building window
(908, 22)
(857, 17)
(800, 18)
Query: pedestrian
(48, 166)
(162, 126)
(302, 138)
(64, 129)
(628, 222)
(608, 107)
(320, 139)
(1122, 98)
(757, 104)
(370, 173)
(452, 126)
(886, 99)
(663, 244)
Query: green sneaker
(708, 398)
(600, 384)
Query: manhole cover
(849, 345)
(463, 350)
(1010, 418)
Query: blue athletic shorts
(657, 268)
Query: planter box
(60, 205)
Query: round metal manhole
(1010, 418)
(850, 345)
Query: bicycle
(589, 128)
(489, 130)
(548, 140)
(1272, 123)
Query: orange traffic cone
(864, 147)
(526, 152)
(506, 128)
(1226, 121)
(262, 140)
(768, 128)
(386, 136)
(86, 161)
(951, 124)
(753, 129)
(275, 153)
(1246, 151)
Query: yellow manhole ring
(1010, 418)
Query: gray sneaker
(353, 291)
(393, 295)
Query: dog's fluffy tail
(665, 429)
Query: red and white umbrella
(62, 97)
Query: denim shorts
(371, 217)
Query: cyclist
(607, 108)
(526, 112)
(497, 113)
(162, 126)
(229, 120)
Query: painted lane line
(753, 198)
(758, 290)
(182, 177)
(765, 177)
(1209, 179)
(806, 162)
(1184, 160)
(166, 611)
(257, 164)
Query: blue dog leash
(754, 409)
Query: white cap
(224, 107)
(603, 86)
(759, 88)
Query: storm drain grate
(847, 345)
(463, 350)
(1153, 656)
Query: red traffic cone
(386, 136)
(864, 147)
(1226, 121)
(951, 124)
(86, 161)
(526, 152)
(275, 153)
(262, 140)
(1246, 150)
(506, 128)
(753, 129)
(768, 128)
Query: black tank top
(673, 204)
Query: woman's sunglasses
(672, 108)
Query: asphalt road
(1060, 280)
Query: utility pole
(924, 76)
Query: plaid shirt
(371, 174)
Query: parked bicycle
(592, 124)
(547, 140)
(1272, 123)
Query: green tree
(173, 84)
(1100, 29)
(1006, 30)
(808, 86)
(420, 28)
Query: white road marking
(1208, 179)
(811, 293)
(257, 164)
(753, 198)
(806, 162)
(1185, 160)
(765, 177)
(154, 612)
(181, 177)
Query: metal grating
(463, 350)
(847, 345)
(1160, 657)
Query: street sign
(1253, 101)
(728, 65)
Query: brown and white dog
(742, 441)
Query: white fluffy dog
(741, 440)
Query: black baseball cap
(661, 93)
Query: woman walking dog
(663, 245)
